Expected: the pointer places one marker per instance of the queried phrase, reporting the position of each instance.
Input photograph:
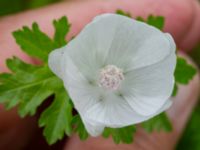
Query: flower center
(110, 77)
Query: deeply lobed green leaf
(28, 86)
(123, 13)
(120, 135)
(79, 127)
(184, 72)
(57, 118)
(156, 21)
(34, 42)
(37, 44)
(62, 27)
(159, 123)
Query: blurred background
(14, 6)
(191, 137)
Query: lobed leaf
(79, 127)
(34, 42)
(156, 21)
(37, 44)
(123, 13)
(184, 72)
(28, 86)
(159, 123)
(62, 28)
(120, 135)
(57, 118)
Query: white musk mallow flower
(117, 71)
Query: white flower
(118, 72)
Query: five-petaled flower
(117, 71)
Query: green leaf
(123, 13)
(120, 135)
(57, 118)
(16, 65)
(175, 90)
(28, 86)
(191, 135)
(156, 21)
(34, 42)
(159, 123)
(140, 19)
(79, 127)
(37, 44)
(184, 72)
(62, 28)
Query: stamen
(110, 77)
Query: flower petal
(134, 44)
(171, 42)
(54, 61)
(83, 93)
(96, 108)
(146, 89)
(166, 106)
(117, 40)
(93, 128)
(110, 37)
(89, 49)
(116, 116)
(112, 111)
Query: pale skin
(182, 21)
